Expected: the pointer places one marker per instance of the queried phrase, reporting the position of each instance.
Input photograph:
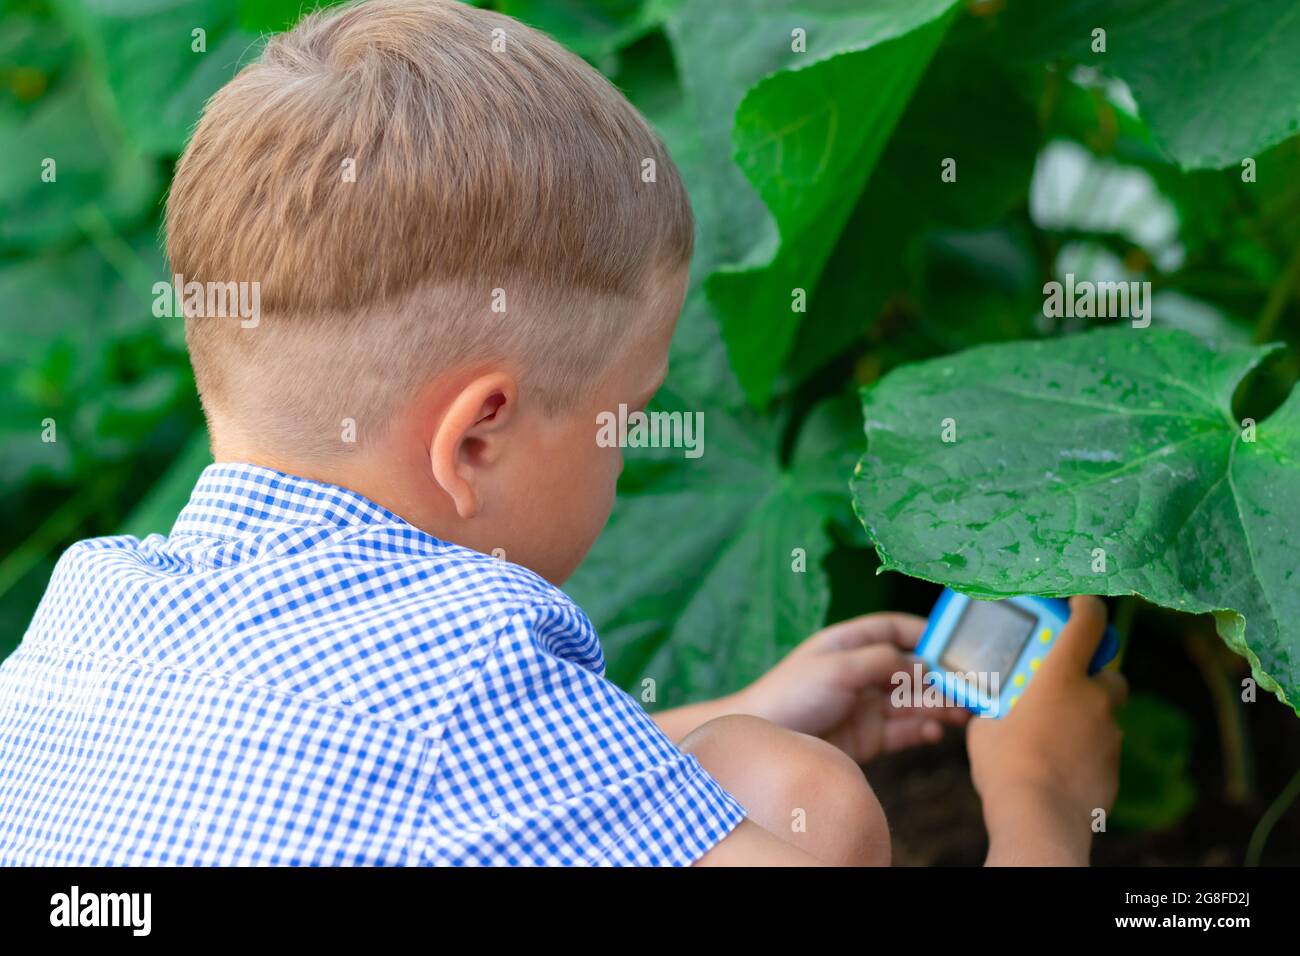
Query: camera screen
(988, 638)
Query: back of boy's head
(391, 171)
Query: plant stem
(1276, 810)
(1125, 609)
(1207, 652)
(1278, 296)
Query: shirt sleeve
(544, 762)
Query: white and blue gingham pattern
(298, 676)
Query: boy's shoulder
(374, 557)
(308, 590)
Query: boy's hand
(1045, 767)
(837, 684)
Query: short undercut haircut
(389, 171)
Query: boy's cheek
(600, 498)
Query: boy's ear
(468, 438)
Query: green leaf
(699, 368)
(1224, 222)
(692, 582)
(993, 139)
(589, 29)
(159, 105)
(276, 16)
(1119, 444)
(806, 165)
(1215, 79)
(272, 16)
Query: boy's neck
(384, 486)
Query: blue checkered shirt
(298, 676)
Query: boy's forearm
(1025, 832)
(677, 722)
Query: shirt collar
(232, 499)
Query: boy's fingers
(1115, 685)
(900, 630)
(950, 714)
(911, 731)
(1079, 638)
(871, 666)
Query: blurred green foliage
(812, 135)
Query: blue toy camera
(984, 653)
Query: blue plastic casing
(993, 692)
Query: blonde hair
(489, 167)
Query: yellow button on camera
(1019, 680)
(1036, 663)
(1045, 635)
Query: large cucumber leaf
(993, 139)
(802, 167)
(1107, 463)
(1215, 79)
(699, 368)
(276, 16)
(696, 583)
(589, 29)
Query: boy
(459, 267)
